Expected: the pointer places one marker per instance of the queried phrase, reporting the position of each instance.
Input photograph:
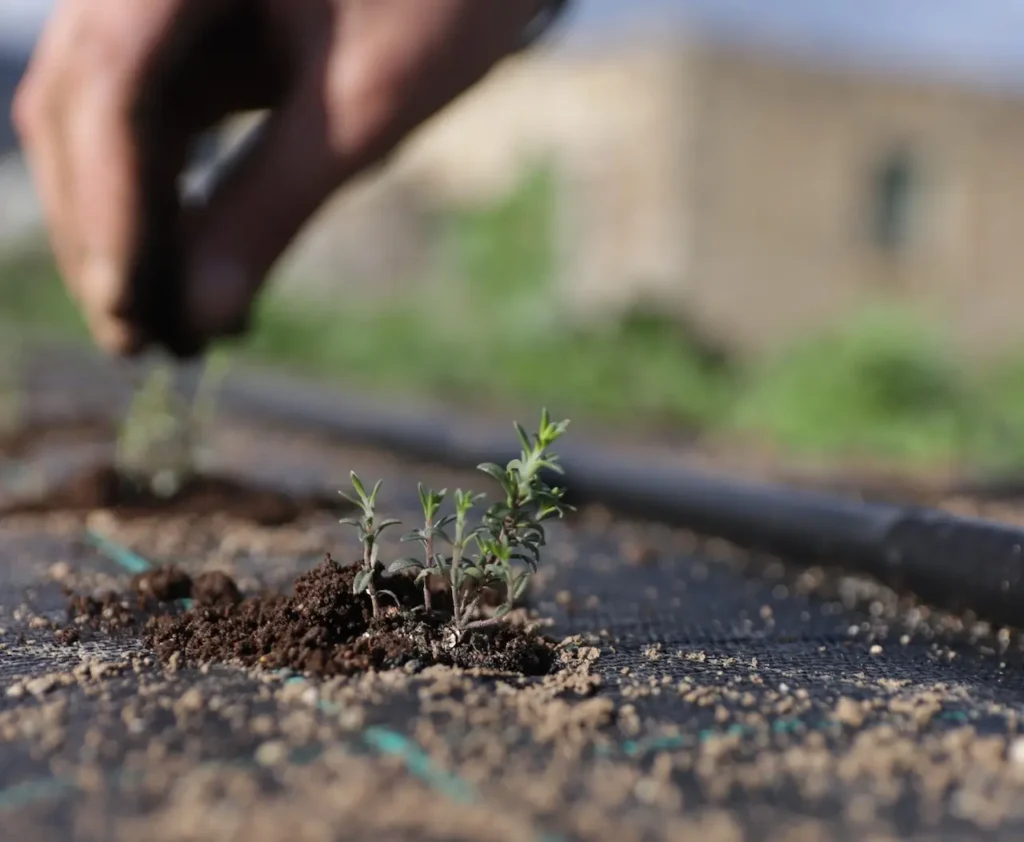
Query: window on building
(894, 201)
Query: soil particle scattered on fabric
(106, 612)
(215, 588)
(67, 637)
(164, 584)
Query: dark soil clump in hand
(324, 629)
(103, 487)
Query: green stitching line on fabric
(130, 561)
(418, 762)
(33, 791)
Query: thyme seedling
(503, 550)
(512, 529)
(161, 435)
(154, 445)
(430, 501)
(370, 530)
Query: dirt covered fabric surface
(696, 692)
(319, 628)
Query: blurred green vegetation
(881, 385)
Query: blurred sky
(968, 38)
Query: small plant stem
(481, 624)
(429, 544)
(370, 562)
(371, 589)
(456, 561)
(469, 612)
(456, 613)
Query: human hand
(117, 92)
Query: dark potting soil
(322, 628)
(103, 487)
(171, 583)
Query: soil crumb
(215, 589)
(322, 628)
(165, 584)
(103, 487)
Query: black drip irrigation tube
(954, 562)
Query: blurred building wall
(817, 188)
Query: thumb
(280, 177)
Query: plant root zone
(321, 629)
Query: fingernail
(219, 292)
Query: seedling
(159, 439)
(511, 530)
(370, 530)
(432, 528)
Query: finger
(105, 208)
(37, 116)
(107, 68)
(42, 157)
(259, 206)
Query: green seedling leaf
(524, 437)
(529, 560)
(384, 524)
(520, 585)
(362, 581)
(501, 611)
(404, 564)
(357, 484)
(495, 471)
(431, 501)
(376, 489)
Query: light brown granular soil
(544, 756)
(911, 732)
